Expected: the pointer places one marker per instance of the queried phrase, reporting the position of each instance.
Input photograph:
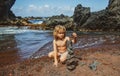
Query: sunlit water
(26, 41)
(30, 43)
(36, 21)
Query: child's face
(61, 34)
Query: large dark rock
(106, 19)
(81, 14)
(5, 12)
(66, 21)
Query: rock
(107, 19)
(93, 66)
(5, 12)
(81, 14)
(51, 22)
(72, 61)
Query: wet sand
(106, 54)
(8, 53)
(9, 57)
(17, 45)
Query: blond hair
(58, 29)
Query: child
(59, 52)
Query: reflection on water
(7, 42)
(30, 42)
(84, 40)
(21, 43)
(8, 51)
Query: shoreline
(84, 39)
(106, 55)
(43, 26)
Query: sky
(45, 8)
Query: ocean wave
(18, 31)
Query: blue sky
(45, 8)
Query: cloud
(45, 10)
(46, 6)
(31, 8)
(39, 9)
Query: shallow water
(21, 43)
(84, 40)
(36, 21)
(17, 44)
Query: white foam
(7, 30)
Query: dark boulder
(81, 14)
(107, 19)
(51, 22)
(5, 12)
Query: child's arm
(55, 53)
(74, 37)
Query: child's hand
(56, 64)
(74, 35)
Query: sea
(36, 21)
(26, 43)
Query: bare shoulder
(54, 41)
(67, 38)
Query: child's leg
(63, 57)
(51, 54)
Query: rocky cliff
(107, 19)
(5, 12)
(51, 22)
